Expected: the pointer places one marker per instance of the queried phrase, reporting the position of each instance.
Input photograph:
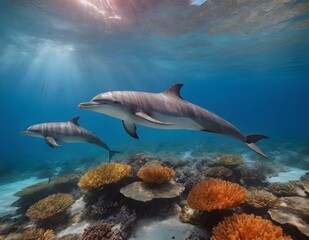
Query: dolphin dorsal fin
(174, 90)
(75, 121)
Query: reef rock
(144, 192)
(293, 211)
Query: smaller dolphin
(69, 131)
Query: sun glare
(104, 9)
(54, 69)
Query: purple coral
(101, 231)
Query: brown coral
(218, 172)
(50, 206)
(243, 226)
(215, 194)
(260, 198)
(105, 174)
(38, 233)
(156, 174)
(228, 160)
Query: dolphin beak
(24, 132)
(88, 105)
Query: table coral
(243, 226)
(38, 233)
(144, 192)
(54, 182)
(155, 174)
(293, 211)
(50, 206)
(105, 174)
(215, 194)
(260, 198)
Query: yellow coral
(38, 233)
(50, 206)
(105, 174)
(229, 160)
(156, 174)
(243, 226)
(260, 198)
(215, 194)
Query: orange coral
(215, 194)
(243, 226)
(155, 174)
(105, 174)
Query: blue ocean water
(246, 61)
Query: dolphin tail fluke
(111, 154)
(252, 139)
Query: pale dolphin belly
(177, 122)
(70, 138)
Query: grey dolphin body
(69, 132)
(165, 110)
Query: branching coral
(260, 198)
(101, 230)
(50, 206)
(283, 189)
(228, 160)
(105, 174)
(243, 226)
(215, 194)
(38, 233)
(155, 174)
(218, 172)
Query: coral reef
(38, 233)
(32, 194)
(228, 161)
(218, 172)
(215, 194)
(58, 183)
(105, 174)
(293, 211)
(127, 220)
(260, 198)
(155, 174)
(101, 230)
(70, 237)
(289, 189)
(144, 192)
(50, 206)
(243, 226)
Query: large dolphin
(165, 110)
(69, 131)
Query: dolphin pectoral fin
(130, 128)
(150, 119)
(51, 142)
